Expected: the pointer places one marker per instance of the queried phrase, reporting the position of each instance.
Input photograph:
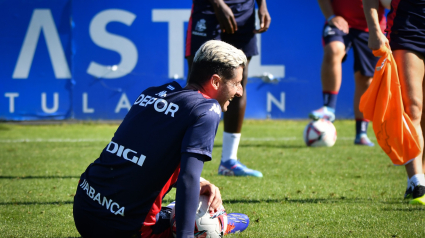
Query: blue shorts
(204, 26)
(406, 26)
(364, 60)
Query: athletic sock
(417, 179)
(230, 146)
(361, 126)
(329, 99)
(172, 204)
(409, 184)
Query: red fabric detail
(189, 35)
(352, 12)
(229, 228)
(150, 219)
(390, 17)
(331, 92)
(204, 95)
(146, 232)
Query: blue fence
(90, 59)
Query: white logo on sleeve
(162, 94)
(216, 108)
(170, 87)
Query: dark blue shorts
(364, 60)
(204, 26)
(406, 26)
(90, 225)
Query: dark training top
(124, 187)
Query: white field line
(69, 140)
(51, 140)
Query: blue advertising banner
(90, 59)
(35, 60)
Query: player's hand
(377, 40)
(225, 17)
(340, 23)
(265, 19)
(209, 189)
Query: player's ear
(215, 81)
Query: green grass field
(343, 191)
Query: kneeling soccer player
(164, 140)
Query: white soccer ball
(320, 133)
(207, 225)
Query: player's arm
(264, 16)
(377, 39)
(338, 21)
(187, 195)
(224, 16)
(189, 188)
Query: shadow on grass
(341, 200)
(405, 209)
(38, 177)
(36, 203)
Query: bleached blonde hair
(215, 57)
(220, 52)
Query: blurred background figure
(346, 27)
(232, 21)
(406, 31)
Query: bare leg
(362, 84)
(331, 66)
(331, 80)
(423, 135)
(411, 73)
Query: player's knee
(333, 56)
(334, 53)
(414, 111)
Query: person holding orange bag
(382, 103)
(405, 36)
(346, 28)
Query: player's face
(229, 89)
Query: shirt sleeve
(187, 195)
(199, 137)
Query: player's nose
(239, 91)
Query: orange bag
(383, 105)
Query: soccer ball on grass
(207, 225)
(320, 133)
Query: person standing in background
(346, 27)
(232, 21)
(406, 38)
